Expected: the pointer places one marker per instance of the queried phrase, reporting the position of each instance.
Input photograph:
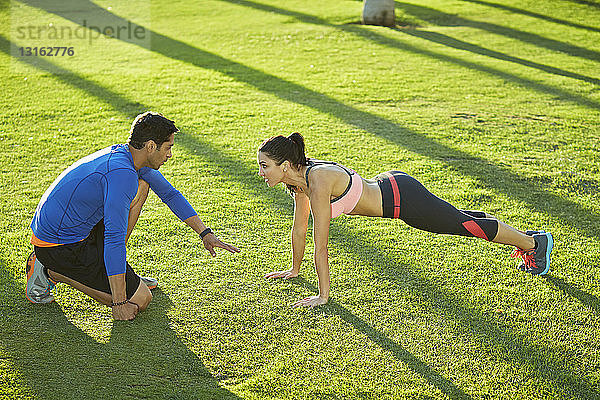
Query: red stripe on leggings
(396, 192)
(475, 229)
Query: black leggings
(406, 198)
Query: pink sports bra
(344, 203)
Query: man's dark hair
(150, 126)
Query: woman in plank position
(327, 189)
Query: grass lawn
(492, 104)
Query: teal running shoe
(39, 287)
(536, 261)
(150, 282)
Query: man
(84, 219)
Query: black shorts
(84, 262)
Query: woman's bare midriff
(370, 201)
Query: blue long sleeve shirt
(100, 186)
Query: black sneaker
(536, 261)
(518, 252)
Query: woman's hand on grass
(310, 302)
(290, 273)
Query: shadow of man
(56, 359)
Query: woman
(327, 190)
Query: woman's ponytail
(281, 148)
(299, 158)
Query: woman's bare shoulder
(327, 178)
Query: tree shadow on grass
(586, 3)
(184, 52)
(433, 37)
(144, 358)
(448, 41)
(489, 175)
(437, 17)
(515, 10)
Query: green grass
(492, 105)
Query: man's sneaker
(536, 261)
(39, 287)
(150, 282)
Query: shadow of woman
(56, 359)
(542, 363)
(586, 299)
(434, 378)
